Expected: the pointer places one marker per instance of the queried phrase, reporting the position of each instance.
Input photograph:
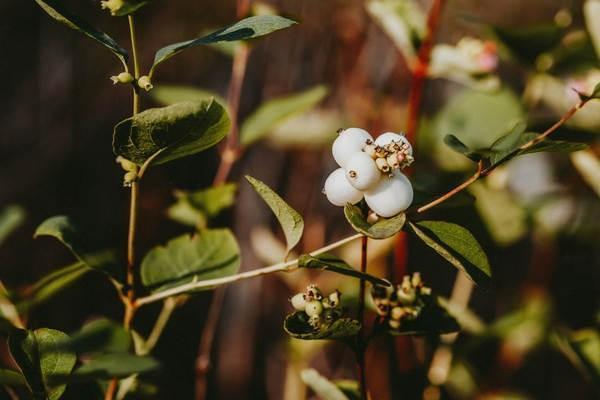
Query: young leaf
(207, 255)
(324, 388)
(11, 217)
(54, 283)
(433, 320)
(275, 112)
(291, 222)
(383, 228)
(117, 365)
(41, 361)
(175, 131)
(457, 245)
(55, 9)
(332, 263)
(297, 326)
(247, 28)
(66, 231)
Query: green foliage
(383, 228)
(41, 361)
(297, 326)
(332, 263)
(11, 217)
(209, 254)
(433, 319)
(68, 233)
(582, 349)
(55, 9)
(54, 283)
(457, 245)
(117, 365)
(171, 132)
(528, 42)
(274, 112)
(248, 28)
(168, 95)
(11, 378)
(97, 337)
(291, 222)
(196, 208)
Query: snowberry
(313, 308)
(339, 191)
(349, 142)
(390, 196)
(362, 172)
(298, 302)
(390, 137)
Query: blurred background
(532, 335)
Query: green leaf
(176, 131)
(457, 245)
(274, 112)
(98, 336)
(324, 388)
(11, 217)
(118, 365)
(297, 326)
(12, 378)
(582, 349)
(195, 208)
(433, 320)
(212, 253)
(55, 9)
(291, 222)
(383, 228)
(332, 263)
(168, 95)
(54, 283)
(455, 144)
(121, 8)
(68, 233)
(247, 28)
(41, 361)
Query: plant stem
(211, 283)
(362, 343)
(486, 171)
(419, 70)
(169, 305)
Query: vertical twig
(362, 343)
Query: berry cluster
(318, 308)
(403, 303)
(371, 169)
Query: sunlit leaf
(291, 222)
(211, 253)
(332, 263)
(248, 28)
(457, 245)
(54, 283)
(56, 10)
(41, 361)
(175, 131)
(276, 111)
(383, 228)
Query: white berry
(339, 191)
(389, 137)
(362, 172)
(298, 302)
(349, 142)
(391, 196)
(314, 308)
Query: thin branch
(211, 283)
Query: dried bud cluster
(405, 302)
(393, 156)
(318, 308)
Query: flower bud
(314, 321)
(334, 299)
(144, 83)
(123, 77)
(397, 313)
(313, 308)
(382, 165)
(392, 161)
(298, 302)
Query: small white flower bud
(144, 83)
(382, 165)
(334, 299)
(123, 77)
(416, 279)
(313, 308)
(315, 321)
(392, 161)
(298, 302)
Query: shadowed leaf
(383, 228)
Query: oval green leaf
(457, 245)
(171, 132)
(332, 263)
(297, 326)
(248, 28)
(290, 220)
(210, 254)
(57, 11)
(117, 365)
(383, 228)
